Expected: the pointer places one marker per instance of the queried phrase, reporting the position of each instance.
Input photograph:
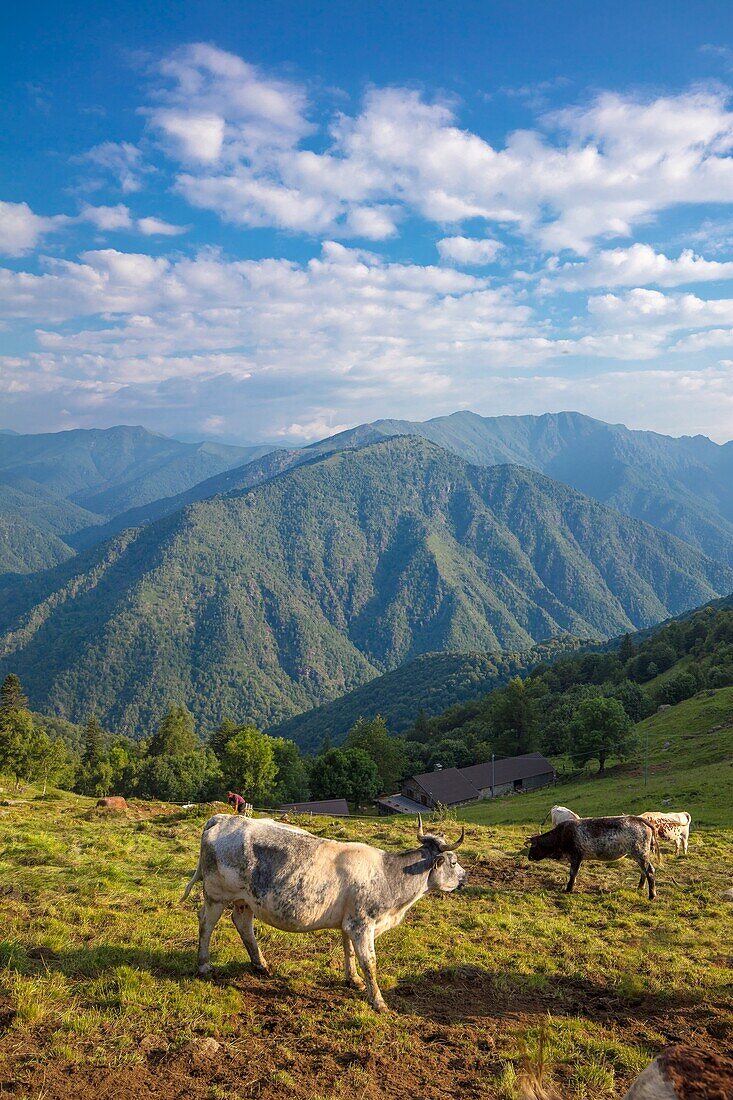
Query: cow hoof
(381, 1007)
(262, 971)
(203, 972)
(356, 983)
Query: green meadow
(98, 997)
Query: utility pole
(646, 756)
(492, 775)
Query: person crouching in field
(237, 803)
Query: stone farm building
(456, 786)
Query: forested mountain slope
(54, 485)
(427, 684)
(268, 601)
(682, 485)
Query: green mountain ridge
(429, 683)
(53, 486)
(271, 600)
(681, 485)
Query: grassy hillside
(690, 768)
(430, 684)
(98, 998)
(682, 485)
(266, 602)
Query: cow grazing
(292, 880)
(672, 827)
(683, 1073)
(559, 814)
(601, 839)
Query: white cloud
(636, 266)
(468, 250)
(198, 136)
(123, 160)
(21, 229)
(316, 428)
(107, 217)
(151, 227)
(641, 309)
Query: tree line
(176, 765)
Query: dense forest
(272, 600)
(579, 707)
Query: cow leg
(362, 937)
(209, 914)
(353, 977)
(652, 881)
(575, 863)
(642, 880)
(244, 923)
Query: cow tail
(196, 877)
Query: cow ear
(438, 861)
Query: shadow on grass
(465, 993)
(92, 962)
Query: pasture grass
(690, 767)
(98, 997)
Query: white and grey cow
(561, 813)
(674, 827)
(292, 880)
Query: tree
(184, 777)
(93, 743)
(514, 715)
(248, 765)
(388, 754)
(17, 730)
(626, 650)
(292, 772)
(11, 694)
(601, 728)
(345, 773)
(176, 734)
(217, 742)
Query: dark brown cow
(601, 839)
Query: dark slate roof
(333, 807)
(400, 803)
(508, 769)
(447, 786)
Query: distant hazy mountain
(271, 600)
(683, 485)
(90, 475)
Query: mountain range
(281, 595)
(54, 485)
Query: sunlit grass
(97, 956)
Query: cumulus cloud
(468, 250)
(21, 229)
(151, 227)
(637, 266)
(107, 217)
(590, 172)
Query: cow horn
(420, 833)
(450, 847)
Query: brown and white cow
(298, 882)
(673, 827)
(600, 839)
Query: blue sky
(268, 222)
